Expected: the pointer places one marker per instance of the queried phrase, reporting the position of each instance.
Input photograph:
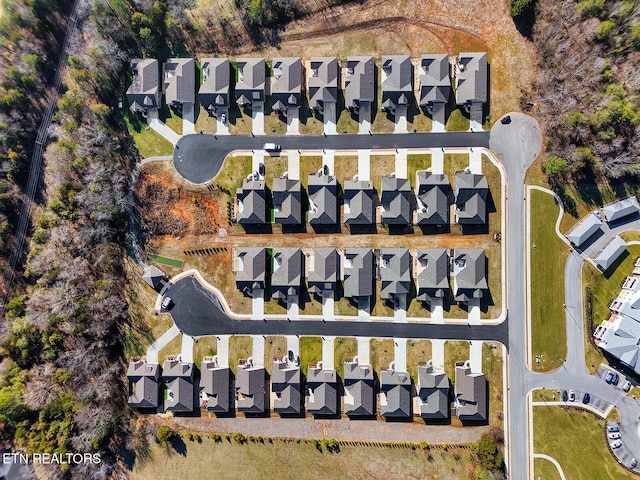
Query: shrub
(165, 435)
(521, 7)
(591, 8)
(604, 30)
(239, 438)
(555, 167)
(488, 453)
(634, 36)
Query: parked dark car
(565, 396)
(608, 377)
(614, 380)
(586, 399)
(506, 120)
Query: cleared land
(548, 256)
(576, 440)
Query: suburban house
(435, 81)
(251, 207)
(469, 274)
(323, 271)
(144, 92)
(432, 272)
(432, 199)
(178, 378)
(395, 394)
(395, 272)
(359, 88)
(251, 269)
(250, 82)
(323, 199)
(471, 395)
(619, 335)
(472, 191)
(179, 82)
(397, 82)
(359, 207)
(359, 397)
(153, 276)
(286, 385)
(433, 393)
(215, 391)
(620, 209)
(357, 268)
(287, 200)
(395, 201)
(471, 78)
(322, 391)
(584, 230)
(323, 82)
(610, 253)
(250, 388)
(216, 79)
(286, 276)
(286, 90)
(143, 384)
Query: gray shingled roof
(252, 206)
(286, 90)
(358, 203)
(469, 273)
(287, 203)
(395, 201)
(397, 87)
(433, 198)
(250, 383)
(144, 91)
(178, 378)
(433, 393)
(323, 199)
(358, 272)
(610, 253)
(358, 385)
(583, 231)
(433, 273)
(323, 391)
(252, 269)
(358, 81)
(286, 276)
(435, 83)
(286, 384)
(323, 82)
(471, 78)
(325, 270)
(153, 276)
(622, 337)
(214, 383)
(143, 384)
(395, 388)
(395, 272)
(616, 210)
(472, 192)
(216, 78)
(471, 395)
(179, 82)
(250, 82)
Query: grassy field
(457, 121)
(548, 256)
(576, 440)
(381, 354)
(310, 351)
(345, 348)
(418, 353)
(417, 162)
(148, 142)
(204, 347)
(172, 262)
(300, 461)
(603, 289)
(233, 170)
(543, 468)
(240, 346)
(454, 352)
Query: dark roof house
(322, 389)
(397, 82)
(251, 269)
(435, 83)
(359, 397)
(216, 79)
(359, 208)
(323, 271)
(215, 386)
(252, 205)
(286, 385)
(178, 378)
(469, 274)
(395, 201)
(250, 388)
(471, 78)
(358, 81)
(153, 276)
(471, 395)
(432, 268)
(395, 394)
(323, 82)
(143, 384)
(144, 91)
(472, 192)
(250, 83)
(179, 81)
(286, 276)
(432, 199)
(357, 267)
(287, 200)
(323, 199)
(286, 90)
(395, 272)
(433, 393)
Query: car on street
(271, 147)
(572, 395)
(586, 399)
(614, 436)
(565, 396)
(627, 386)
(633, 463)
(261, 169)
(616, 444)
(614, 380)
(613, 428)
(608, 377)
(506, 120)
(166, 302)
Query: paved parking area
(188, 119)
(293, 121)
(364, 344)
(328, 312)
(437, 311)
(438, 117)
(400, 309)
(186, 352)
(258, 350)
(364, 310)
(328, 159)
(222, 351)
(475, 356)
(400, 354)
(257, 304)
(437, 160)
(437, 353)
(623, 453)
(475, 160)
(401, 162)
(293, 344)
(293, 166)
(364, 127)
(364, 165)
(475, 116)
(328, 353)
(257, 119)
(222, 128)
(292, 309)
(257, 159)
(400, 119)
(329, 118)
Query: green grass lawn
(204, 347)
(603, 289)
(381, 166)
(147, 141)
(381, 354)
(310, 351)
(205, 122)
(345, 168)
(309, 165)
(345, 348)
(418, 353)
(576, 440)
(457, 121)
(544, 469)
(454, 352)
(417, 162)
(240, 346)
(548, 329)
(174, 347)
(172, 262)
(346, 122)
(274, 347)
(233, 170)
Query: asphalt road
(196, 312)
(198, 158)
